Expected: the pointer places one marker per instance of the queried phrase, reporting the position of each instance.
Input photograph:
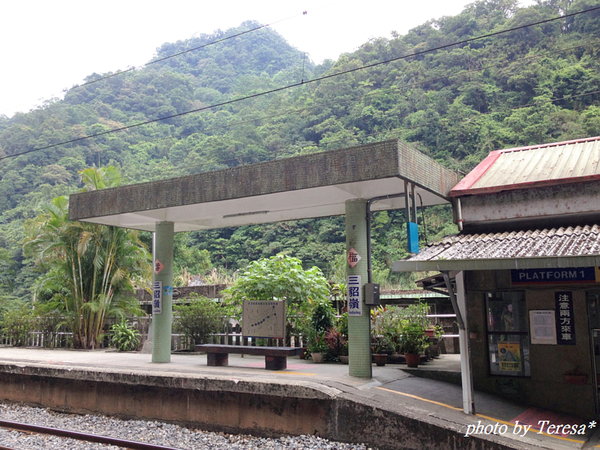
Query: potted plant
(318, 347)
(336, 342)
(321, 320)
(383, 346)
(344, 358)
(414, 342)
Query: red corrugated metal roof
(538, 165)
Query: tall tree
(90, 268)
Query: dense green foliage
(199, 319)
(125, 338)
(535, 84)
(282, 278)
(89, 269)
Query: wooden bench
(275, 357)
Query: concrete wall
(264, 409)
(546, 388)
(541, 206)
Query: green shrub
(17, 323)
(125, 338)
(199, 319)
(322, 317)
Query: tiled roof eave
(556, 247)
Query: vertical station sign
(565, 320)
(157, 298)
(354, 295)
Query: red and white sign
(353, 257)
(158, 266)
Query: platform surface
(391, 387)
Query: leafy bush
(199, 319)
(413, 338)
(322, 317)
(125, 338)
(279, 277)
(17, 323)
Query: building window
(507, 334)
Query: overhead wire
(363, 136)
(301, 83)
(199, 47)
(367, 94)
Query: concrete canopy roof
(314, 185)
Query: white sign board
(157, 299)
(263, 319)
(355, 296)
(543, 326)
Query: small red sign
(353, 257)
(158, 266)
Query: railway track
(84, 437)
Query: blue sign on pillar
(413, 237)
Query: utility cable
(362, 138)
(301, 83)
(303, 13)
(367, 94)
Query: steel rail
(80, 436)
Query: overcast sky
(50, 45)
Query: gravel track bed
(158, 433)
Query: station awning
(309, 186)
(526, 249)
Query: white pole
(465, 355)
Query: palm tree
(90, 268)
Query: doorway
(593, 307)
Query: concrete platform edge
(268, 408)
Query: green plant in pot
(336, 342)
(318, 346)
(414, 342)
(383, 346)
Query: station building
(526, 264)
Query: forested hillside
(535, 84)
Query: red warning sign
(353, 257)
(158, 266)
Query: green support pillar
(359, 326)
(162, 317)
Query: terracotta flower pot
(380, 359)
(317, 357)
(303, 353)
(412, 359)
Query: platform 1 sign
(570, 275)
(263, 319)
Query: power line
(301, 83)
(367, 94)
(184, 51)
(120, 72)
(361, 139)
